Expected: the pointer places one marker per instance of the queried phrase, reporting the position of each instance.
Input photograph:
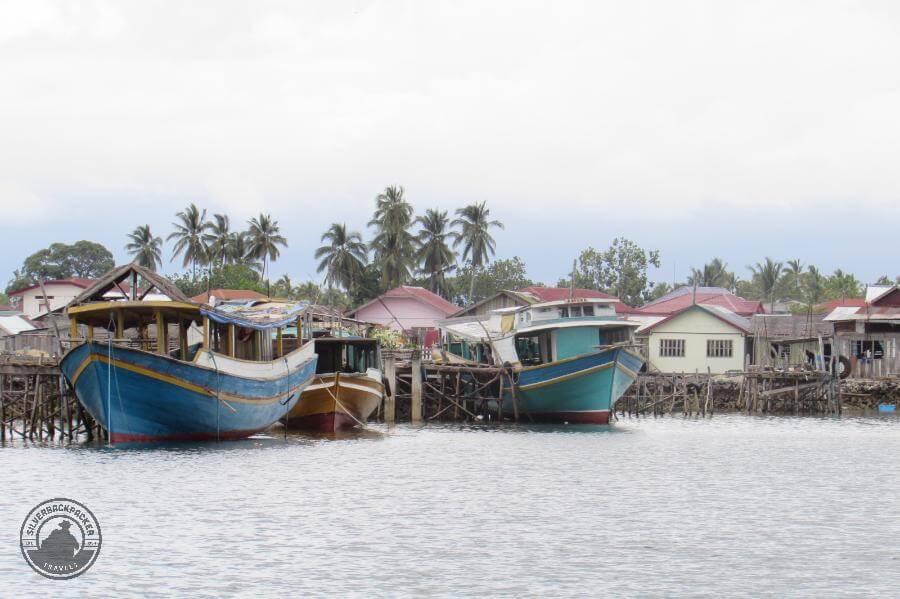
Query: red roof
(674, 303)
(6, 308)
(78, 282)
(849, 302)
(418, 293)
(727, 317)
(228, 294)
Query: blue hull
(147, 397)
(583, 389)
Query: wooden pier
(36, 405)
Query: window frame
(672, 347)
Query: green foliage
(263, 239)
(500, 275)
(434, 255)
(145, 247)
(4, 299)
(343, 256)
(713, 274)
(657, 290)
(189, 237)
(841, 285)
(620, 270)
(229, 276)
(767, 279)
(83, 259)
(393, 244)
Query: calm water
(734, 505)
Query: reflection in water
(733, 505)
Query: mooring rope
(338, 402)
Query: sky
(732, 129)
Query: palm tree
(843, 285)
(393, 243)
(714, 274)
(343, 256)
(767, 276)
(433, 254)
(284, 286)
(188, 236)
(264, 237)
(474, 235)
(813, 287)
(146, 249)
(218, 238)
(793, 270)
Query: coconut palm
(393, 243)
(146, 249)
(714, 274)
(217, 238)
(434, 256)
(264, 237)
(843, 285)
(188, 236)
(793, 272)
(474, 235)
(767, 276)
(343, 257)
(813, 287)
(284, 286)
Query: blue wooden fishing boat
(573, 359)
(135, 371)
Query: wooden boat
(140, 387)
(346, 389)
(572, 359)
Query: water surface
(733, 505)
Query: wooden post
(120, 324)
(280, 341)
(162, 341)
(73, 329)
(182, 338)
(90, 333)
(229, 340)
(206, 333)
(390, 374)
(415, 412)
(2, 408)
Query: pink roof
(417, 293)
(676, 302)
(78, 282)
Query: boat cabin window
(534, 349)
(335, 356)
(613, 336)
(588, 310)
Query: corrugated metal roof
(13, 325)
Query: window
(867, 349)
(718, 348)
(671, 348)
(575, 311)
(563, 312)
(588, 310)
(612, 336)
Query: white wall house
(695, 339)
(31, 302)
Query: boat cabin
(537, 334)
(346, 354)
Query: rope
(340, 405)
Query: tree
(843, 285)
(767, 278)
(714, 274)
(218, 238)
(343, 257)
(657, 290)
(884, 280)
(393, 243)
(229, 276)
(264, 237)
(284, 287)
(189, 238)
(83, 259)
(145, 247)
(500, 275)
(434, 255)
(474, 235)
(238, 250)
(812, 287)
(620, 270)
(793, 279)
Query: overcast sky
(737, 129)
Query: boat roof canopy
(256, 314)
(133, 313)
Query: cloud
(647, 112)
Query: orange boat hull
(334, 402)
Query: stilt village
(128, 355)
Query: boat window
(612, 336)
(588, 310)
(575, 311)
(564, 312)
(533, 349)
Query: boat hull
(583, 389)
(336, 401)
(146, 397)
